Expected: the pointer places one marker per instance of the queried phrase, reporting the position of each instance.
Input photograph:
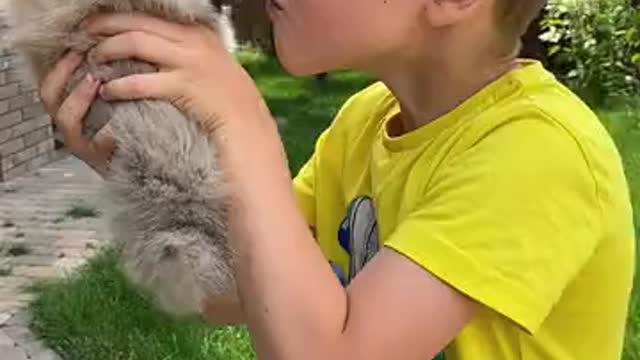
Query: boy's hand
(68, 113)
(196, 73)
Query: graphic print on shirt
(358, 236)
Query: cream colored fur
(164, 188)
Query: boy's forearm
(293, 304)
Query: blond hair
(514, 18)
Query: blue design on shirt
(339, 273)
(358, 237)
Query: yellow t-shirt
(517, 198)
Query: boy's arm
(223, 312)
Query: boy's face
(314, 36)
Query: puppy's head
(181, 268)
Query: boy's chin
(301, 66)
(299, 69)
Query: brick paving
(39, 240)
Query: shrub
(594, 47)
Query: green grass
(81, 212)
(17, 249)
(96, 314)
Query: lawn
(96, 315)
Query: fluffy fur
(164, 185)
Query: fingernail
(90, 78)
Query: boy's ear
(448, 12)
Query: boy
(487, 202)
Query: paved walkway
(41, 238)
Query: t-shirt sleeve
(508, 222)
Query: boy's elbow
(321, 350)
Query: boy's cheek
(318, 48)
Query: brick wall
(26, 139)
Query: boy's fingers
(141, 86)
(73, 110)
(115, 23)
(53, 85)
(136, 44)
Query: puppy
(168, 205)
